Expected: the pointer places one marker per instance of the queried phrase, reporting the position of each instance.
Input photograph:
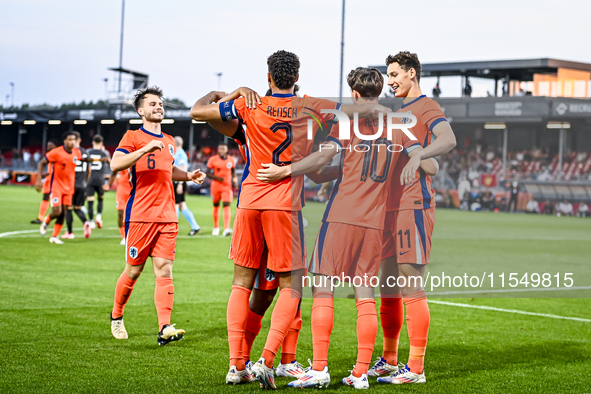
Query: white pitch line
(2, 235)
(492, 308)
(534, 289)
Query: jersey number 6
(151, 161)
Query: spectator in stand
(463, 187)
(26, 158)
(532, 206)
(488, 200)
(565, 208)
(436, 91)
(548, 208)
(36, 157)
(466, 200)
(583, 211)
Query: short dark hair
(77, 134)
(406, 60)
(141, 95)
(97, 139)
(284, 68)
(68, 133)
(367, 81)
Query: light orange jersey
(275, 132)
(420, 194)
(124, 183)
(62, 166)
(223, 169)
(152, 196)
(365, 175)
(47, 182)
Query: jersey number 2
(284, 145)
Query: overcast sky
(59, 51)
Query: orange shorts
(281, 231)
(344, 249)
(121, 199)
(407, 235)
(46, 185)
(221, 193)
(57, 198)
(143, 240)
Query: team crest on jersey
(171, 149)
(133, 252)
(269, 275)
(406, 120)
(229, 165)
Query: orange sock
(42, 209)
(216, 217)
(163, 298)
(47, 220)
(417, 323)
(252, 329)
(392, 318)
(122, 232)
(237, 316)
(227, 217)
(283, 314)
(367, 330)
(56, 229)
(123, 290)
(322, 323)
(290, 343)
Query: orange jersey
(62, 167)
(123, 188)
(151, 198)
(365, 175)
(275, 132)
(420, 194)
(222, 168)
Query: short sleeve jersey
(223, 169)
(365, 174)
(151, 198)
(181, 159)
(419, 195)
(98, 168)
(63, 168)
(81, 167)
(270, 137)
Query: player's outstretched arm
(312, 162)
(182, 176)
(444, 142)
(38, 183)
(324, 174)
(207, 108)
(122, 161)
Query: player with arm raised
(349, 241)
(151, 225)
(99, 160)
(408, 228)
(63, 173)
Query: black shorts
(179, 198)
(79, 197)
(91, 189)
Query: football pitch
(55, 302)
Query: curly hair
(367, 81)
(141, 95)
(406, 60)
(284, 68)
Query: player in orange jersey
(63, 168)
(45, 188)
(349, 243)
(221, 169)
(151, 224)
(409, 225)
(121, 196)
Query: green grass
(55, 301)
